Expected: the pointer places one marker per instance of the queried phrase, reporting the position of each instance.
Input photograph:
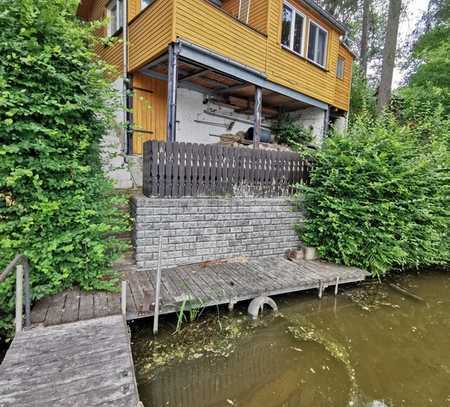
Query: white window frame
(240, 11)
(325, 56)
(119, 16)
(295, 11)
(340, 73)
(145, 4)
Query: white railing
(22, 266)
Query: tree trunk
(390, 47)
(364, 37)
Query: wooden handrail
(20, 262)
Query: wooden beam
(172, 84)
(194, 75)
(156, 62)
(257, 117)
(233, 88)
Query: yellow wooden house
(196, 69)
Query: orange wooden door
(149, 111)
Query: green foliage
(379, 197)
(429, 85)
(56, 206)
(362, 98)
(288, 131)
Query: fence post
(123, 299)
(19, 297)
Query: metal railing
(22, 266)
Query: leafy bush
(362, 98)
(288, 131)
(56, 206)
(379, 198)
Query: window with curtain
(244, 11)
(317, 44)
(292, 29)
(114, 11)
(340, 67)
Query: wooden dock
(205, 284)
(78, 350)
(228, 282)
(84, 364)
(201, 285)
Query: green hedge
(56, 206)
(379, 197)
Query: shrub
(362, 98)
(379, 198)
(56, 206)
(288, 131)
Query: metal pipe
(125, 73)
(326, 122)
(19, 298)
(172, 93)
(157, 289)
(224, 116)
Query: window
(115, 14)
(317, 44)
(244, 11)
(292, 29)
(145, 3)
(340, 67)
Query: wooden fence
(186, 169)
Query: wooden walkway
(208, 284)
(84, 364)
(204, 284)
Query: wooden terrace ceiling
(224, 89)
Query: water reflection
(398, 348)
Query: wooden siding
(294, 71)
(149, 110)
(258, 13)
(199, 22)
(343, 86)
(151, 32)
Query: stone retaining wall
(200, 229)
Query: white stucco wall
(111, 150)
(340, 124)
(190, 107)
(312, 118)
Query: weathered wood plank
(71, 306)
(55, 309)
(85, 363)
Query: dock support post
(321, 288)
(336, 287)
(123, 299)
(157, 289)
(172, 83)
(258, 117)
(19, 298)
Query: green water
(369, 346)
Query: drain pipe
(126, 148)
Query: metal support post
(258, 117)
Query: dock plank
(86, 363)
(212, 283)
